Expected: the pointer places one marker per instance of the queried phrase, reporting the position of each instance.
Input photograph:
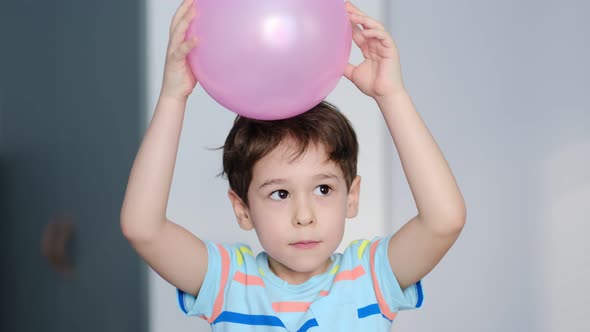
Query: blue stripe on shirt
(372, 309)
(308, 325)
(234, 317)
(420, 294)
(181, 301)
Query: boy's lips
(305, 244)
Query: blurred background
(504, 86)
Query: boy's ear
(241, 211)
(353, 198)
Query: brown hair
(250, 140)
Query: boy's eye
(278, 195)
(322, 190)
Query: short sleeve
(387, 288)
(210, 295)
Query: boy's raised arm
(422, 242)
(172, 251)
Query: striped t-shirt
(357, 293)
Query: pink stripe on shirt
(290, 306)
(350, 274)
(248, 279)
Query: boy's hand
(179, 80)
(380, 74)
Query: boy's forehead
(290, 151)
(287, 160)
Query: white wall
(503, 86)
(198, 199)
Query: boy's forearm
(437, 195)
(146, 198)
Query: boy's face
(298, 208)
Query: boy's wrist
(169, 97)
(171, 103)
(391, 97)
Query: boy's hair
(250, 140)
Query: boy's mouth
(305, 244)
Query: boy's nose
(304, 214)
(304, 221)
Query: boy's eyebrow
(321, 176)
(327, 176)
(270, 182)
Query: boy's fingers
(357, 35)
(359, 39)
(180, 12)
(184, 49)
(348, 71)
(179, 32)
(382, 35)
(354, 9)
(367, 22)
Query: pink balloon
(270, 59)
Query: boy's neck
(295, 277)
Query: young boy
(294, 182)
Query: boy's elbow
(457, 222)
(132, 229)
(448, 222)
(454, 221)
(127, 228)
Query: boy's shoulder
(363, 249)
